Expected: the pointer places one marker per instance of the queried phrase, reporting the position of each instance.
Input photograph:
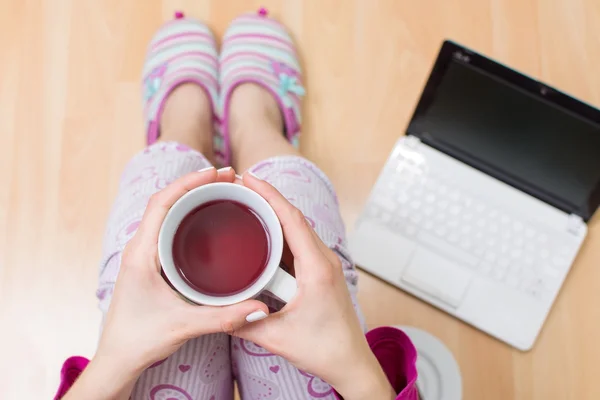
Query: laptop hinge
(412, 142)
(575, 224)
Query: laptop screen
(522, 139)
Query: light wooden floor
(70, 118)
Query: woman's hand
(318, 331)
(147, 320)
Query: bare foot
(187, 119)
(255, 127)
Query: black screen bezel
(452, 52)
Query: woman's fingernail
(238, 176)
(206, 169)
(256, 316)
(224, 169)
(254, 175)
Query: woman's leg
(201, 368)
(255, 127)
(259, 145)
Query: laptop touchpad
(437, 277)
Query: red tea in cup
(221, 248)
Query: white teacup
(273, 279)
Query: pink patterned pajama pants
(205, 367)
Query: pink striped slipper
(183, 50)
(258, 49)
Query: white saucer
(439, 374)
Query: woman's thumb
(228, 319)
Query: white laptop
(482, 207)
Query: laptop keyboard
(438, 214)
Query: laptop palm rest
(437, 276)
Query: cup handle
(283, 286)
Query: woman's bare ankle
(255, 127)
(187, 118)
